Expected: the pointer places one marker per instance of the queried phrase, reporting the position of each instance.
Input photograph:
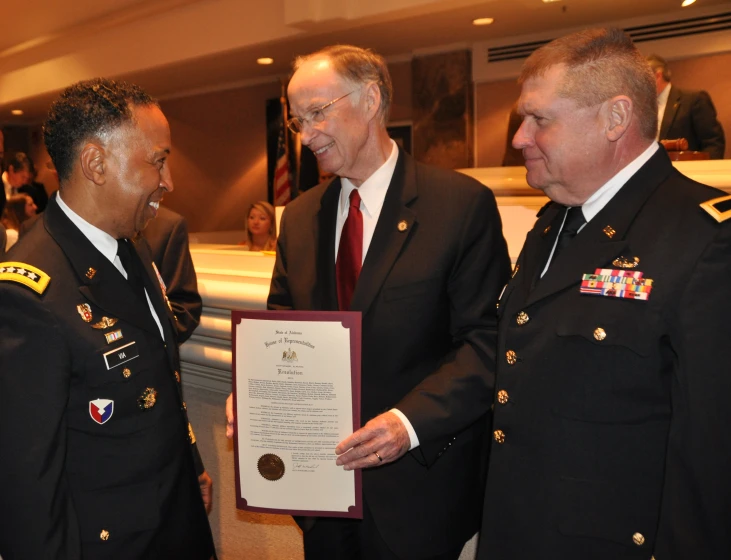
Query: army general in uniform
(98, 456)
(611, 412)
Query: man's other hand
(382, 440)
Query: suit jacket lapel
(388, 237)
(324, 225)
(593, 247)
(671, 109)
(101, 282)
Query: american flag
(282, 175)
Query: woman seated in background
(18, 208)
(261, 234)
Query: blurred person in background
(36, 190)
(686, 114)
(17, 174)
(261, 228)
(18, 209)
(167, 235)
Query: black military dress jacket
(611, 415)
(97, 461)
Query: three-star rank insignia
(84, 310)
(25, 274)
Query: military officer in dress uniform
(611, 412)
(98, 458)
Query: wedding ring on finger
(379, 457)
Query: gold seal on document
(270, 466)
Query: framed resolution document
(296, 387)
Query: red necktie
(350, 253)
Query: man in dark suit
(167, 235)
(686, 114)
(611, 412)
(98, 454)
(433, 260)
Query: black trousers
(333, 538)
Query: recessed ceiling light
(265, 60)
(16, 112)
(687, 3)
(482, 21)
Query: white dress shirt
(601, 197)
(106, 245)
(372, 194)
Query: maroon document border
(351, 320)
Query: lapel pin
(545, 231)
(624, 262)
(90, 273)
(609, 231)
(84, 310)
(403, 225)
(105, 323)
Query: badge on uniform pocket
(101, 410)
(121, 355)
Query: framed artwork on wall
(401, 134)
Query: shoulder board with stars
(719, 208)
(25, 274)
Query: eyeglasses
(297, 124)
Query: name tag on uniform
(120, 355)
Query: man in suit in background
(167, 235)
(17, 174)
(686, 114)
(97, 451)
(611, 413)
(433, 260)
(36, 190)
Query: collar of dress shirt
(373, 190)
(600, 198)
(105, 243)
